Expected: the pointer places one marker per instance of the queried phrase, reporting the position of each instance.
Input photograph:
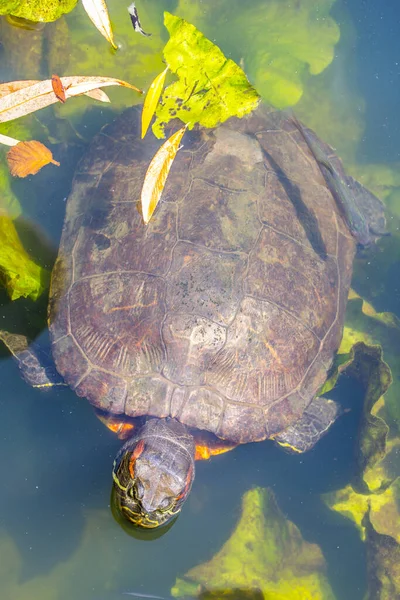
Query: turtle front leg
(36, 366)
(314, 423)
(122, 426)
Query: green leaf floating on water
(37, 10)
(210, 88)
(18, 273)
(265, 557)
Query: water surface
(58, 538)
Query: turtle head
(153, 473)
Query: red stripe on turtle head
(135, 454)
(187, 484)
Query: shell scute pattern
(191, 343)
(204, 283)
(264, 355)
(226, 310)
(121, 331)
(294, 278)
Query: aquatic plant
(282, 43)
(265, 555)
(20, 275)
(35, 53)
(37, 10)
(372, 499)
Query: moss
(265, 557)
(37, 10)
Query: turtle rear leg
(372, 209)
(309, 429)
(36, 366)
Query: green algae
(372, 499)
(36, 53)
(96, 544)
(265, 554)
(299, 39)
(383, 564)
(282, 43)
(37, 10)
(339, 124)
(20, 275)
(9, 204)
(138, 59)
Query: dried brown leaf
(58, 88)
(27, 158)
(28, 99)
(157, 174)
(98, 14)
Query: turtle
(217, 323)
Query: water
(58, 538)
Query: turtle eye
(166, 503)
(139, 489)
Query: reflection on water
(58, 537)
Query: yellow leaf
(40, 94)
(157, 174)
(151, 100)
(8, 141)
(27, 158)
(98, 14)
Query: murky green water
(58, 538)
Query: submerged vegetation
(286, 50)
(265, 555)
(37, 10)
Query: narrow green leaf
(151, 100)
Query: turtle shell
(225, 311)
